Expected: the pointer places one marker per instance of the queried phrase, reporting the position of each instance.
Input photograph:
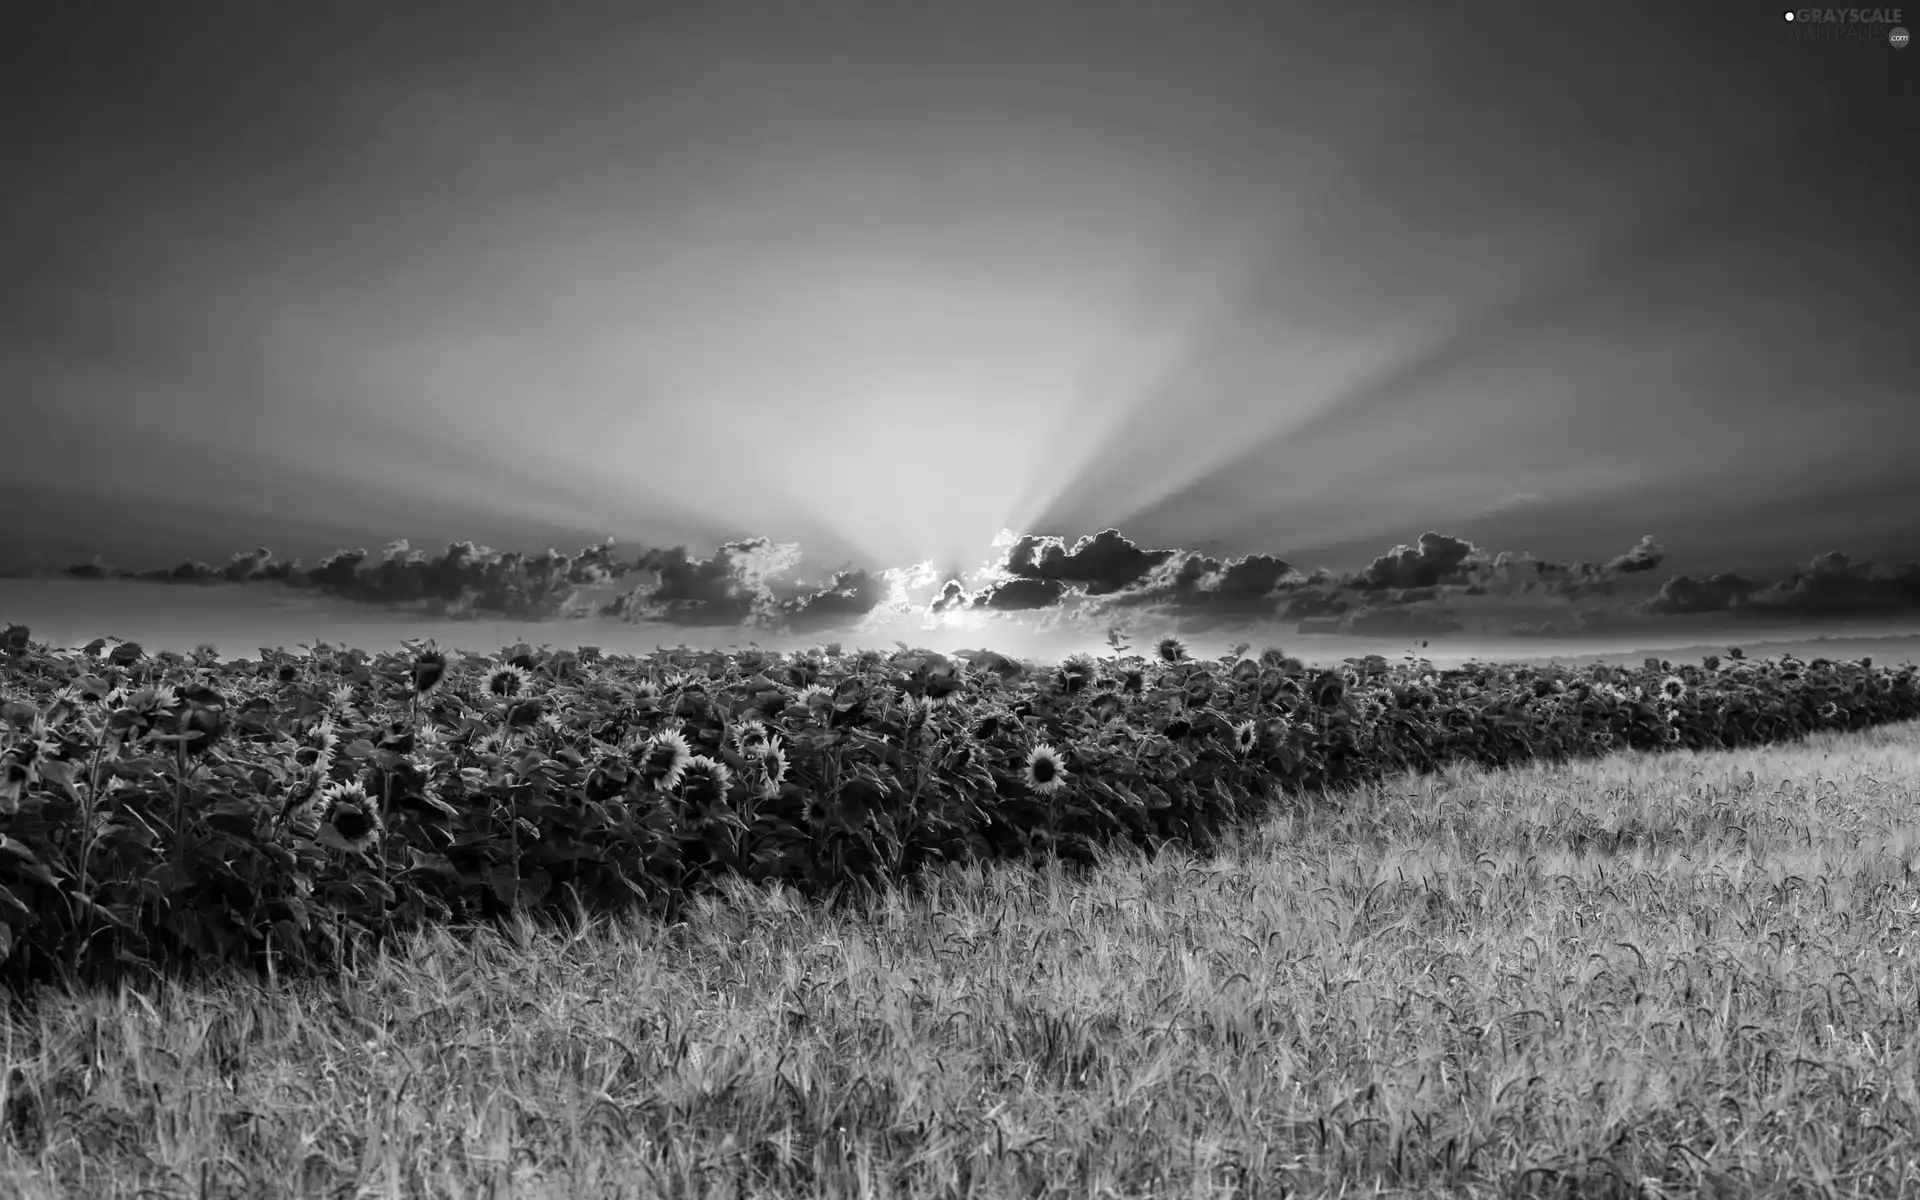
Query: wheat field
(1647, 975)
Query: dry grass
(1674, 975)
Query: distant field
(1889, 650)
(1673, 975)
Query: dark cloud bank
(1437, 585)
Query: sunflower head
(663, 758)
(351, 792)
(1076, 673)
(352, 814)
(1106, 704)
(323, 738)
(429, 671)
(508, 682)
(772, 762)
(1244, 737)
(1170, 649)
(1329, 688)
(704, 780)
(1045, 772)
(1673, 687)
(917, 710)
(358, 825)
(749, 735)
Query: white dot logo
(1897, 38)
(1789, 15)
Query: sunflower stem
(179, 802)
(86, 842)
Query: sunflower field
(166, 813)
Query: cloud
(1435, 558)
(1682, 595)
(733, 587)
(255, 564)
(1645, 556)
(1834, 585)
(953, 597)
(1101, 564)
(1193, 584)
(1020, 595)
(849, 596)
(1438, 584)
(1510, 573)
(1508, 502)
(1313, 606)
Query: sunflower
(506, 681)
(646, 695)
(322, 742)
(703, 778)
(1076, 673)
(151, 700)
(749, 735)
(1673, 735)
(815, 696)
(944, 681)
(663, 758)
(1106, 704)
(341, 696)
(352, 792)
(1673, 687)
(773, 765)
(305, 815)
(356, 821)
(429, 672)
(1045, 772)
(1244, 737)
(1170, 649)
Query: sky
(891, 286)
